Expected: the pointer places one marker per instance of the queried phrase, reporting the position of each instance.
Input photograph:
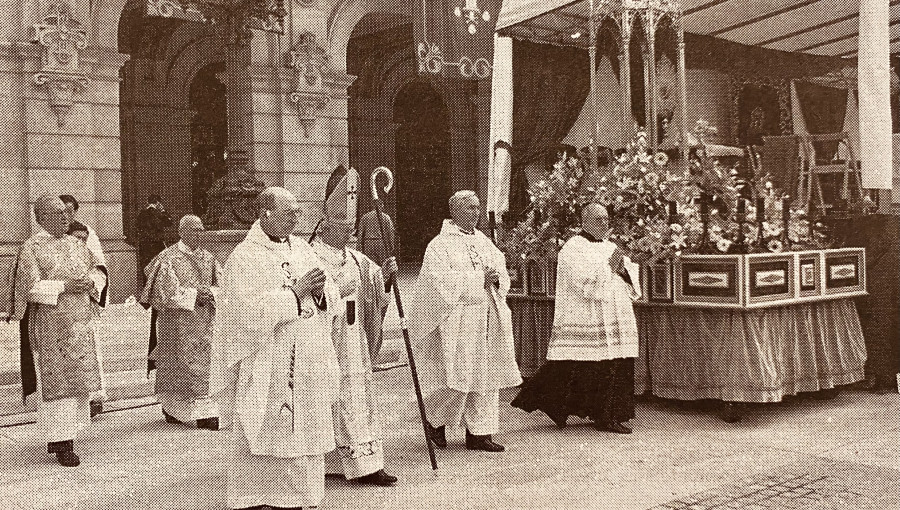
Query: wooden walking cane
(393, 283)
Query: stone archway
(380, 54)
(158, 119)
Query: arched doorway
(422, 152)
(171, 115)
(209, 133)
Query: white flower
(723, 245)
(661, 159)
(676, 228)
(679, 241)
(775, 246)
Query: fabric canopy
(817, 27)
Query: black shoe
(208, 423)
(96, 409)
(613, 426)
(378, 478)
(437, 435)
(482, 443)
(827, 394)
(731, 413)
(65, 453)
(67, 459)
(169, 418)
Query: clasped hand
(491, 276)
(312, 283)
(389, 268)
(205, 297)
(78, 286)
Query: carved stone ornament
(232, 201)
(310, 64)
(63, 38)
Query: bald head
(50, 213)
(278, 211)
(465, 209)
(270, 198)
(189, 228)
(595, 220)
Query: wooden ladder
(809, 186)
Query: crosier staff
(393, 283)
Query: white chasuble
(462, 329)
(593, 319)
(275, 365)
(357, 428)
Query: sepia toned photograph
(450, 254)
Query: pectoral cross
(474, 257)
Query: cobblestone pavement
(823, 485)
(845, 451)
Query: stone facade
(111, 122)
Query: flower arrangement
(661, 209)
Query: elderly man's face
(282, 220)
(53, 218)
(190, 235)
(466, 213)
(337, 233)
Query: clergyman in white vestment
(590, 361)
(461, 328)
(358, 323)
(56, 287)
(182, 283)
(275, 373)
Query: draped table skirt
(751, 355)
(733, 355)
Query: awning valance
(816, 27)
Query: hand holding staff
(409, 352)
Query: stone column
(238, 86)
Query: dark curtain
(879, 311)
(550, 86)
(823, 107)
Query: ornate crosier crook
(387, 187)
(393, 283)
